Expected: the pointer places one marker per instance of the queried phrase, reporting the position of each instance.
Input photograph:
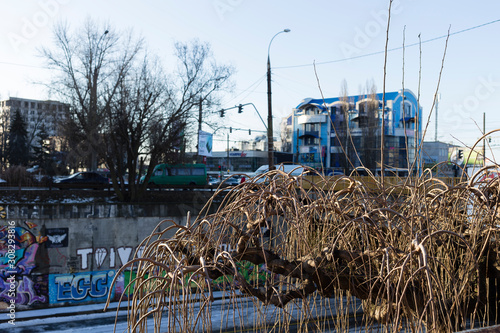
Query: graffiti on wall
(254, 274)
(29, 290)
(81, 287)
(17, 261)
(57, 237)
(102, 255)
(26, 246)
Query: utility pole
(199, 129)
(270, 155)
(484, 139)
(200, 115)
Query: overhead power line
(21, 65)
(390, 50)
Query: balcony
(309, 134)
(312, 119)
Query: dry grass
(418, 256)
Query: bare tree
(140, 123)
(90, 64)
(126, 112)
(152, 115)
(200, 81)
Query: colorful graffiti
(18, 251)
(26, 246)
(29, 290)
(80, 287)
(251, 273)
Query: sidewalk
(65, 319)
(72, 310)
(72, 318)
(63, 311)
(92, 319)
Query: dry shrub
(419, 255)
(18, 176)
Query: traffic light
(230, 130)
(460, 153)
(222, 113)
(249, 132)
(240, 108)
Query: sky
(330, 41)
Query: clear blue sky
(327, 33)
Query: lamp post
(270, 107)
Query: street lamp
(270, 107)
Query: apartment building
(343, 133)
(35, 113)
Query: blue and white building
(326, 131)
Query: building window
(311, 141)
(406, 110)
(310, 110)
(311, 127)
(335, 142)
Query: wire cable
(390, 50)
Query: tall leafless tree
(90, 64)
(126, 111)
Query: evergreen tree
(18, 151)
(42, 155)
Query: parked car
(83, 178)
(233, 180)
(213, 181)
(291, 169)
(33, 169)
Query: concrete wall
(60, 254)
